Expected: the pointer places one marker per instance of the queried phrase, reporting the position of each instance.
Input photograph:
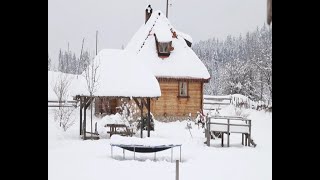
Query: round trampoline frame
(145, 149)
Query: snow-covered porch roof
(120, 75)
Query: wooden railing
(213, 103)
(223, 125)
(62, 103)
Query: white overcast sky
(118, 20)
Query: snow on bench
(236, 126)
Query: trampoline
(145, 149)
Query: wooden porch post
(141, 124)
(80, 115)
(149, 115)
(85, 119)
(222, 139)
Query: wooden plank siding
(170, 105)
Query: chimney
(148, 12)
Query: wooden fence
(62, 103)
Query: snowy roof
(163, 33)
(185, 36)
(182, 62)
(120, 75)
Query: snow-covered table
(142, 145)
(227, 125)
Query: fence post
(249, 138)
(242, 138)
(228, 135)
(177, 169)
(208, 131)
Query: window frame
(162, 46)
(186, 95)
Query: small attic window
(164, 47)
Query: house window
(164, 47)
(183, 89)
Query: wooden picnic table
(126, 131)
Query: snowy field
(69, 157)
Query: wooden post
(80, 115)
(141, 124)
(167, 10)
(149, 115)
(177, 169)
(208, 131)
(85, 119)
(221, 139)
(245, 139)
(228, 135)
(242, 138)
(249, 138)
(134, 152)
(180, 153)
(96, 128)
(91, 100)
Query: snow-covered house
(179, 71)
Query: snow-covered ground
(72, 158)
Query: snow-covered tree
(49, 62)
(60, 88)
(240, 64)
(92, 76)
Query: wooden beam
(249, 135)
(222, 139)
(208, 130)
(145, 103)
(201, 91)
(141, 124)
(230, 124)
(269, 12)
(149, 115)
(62, 101)
(81, 102)
(215, 103)
(88, 102)
(245, 139)
(92, 133)
(242, 138)
(138, 103)
(85, 119)
(217, 98)
(61, 106)
(80, 116)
